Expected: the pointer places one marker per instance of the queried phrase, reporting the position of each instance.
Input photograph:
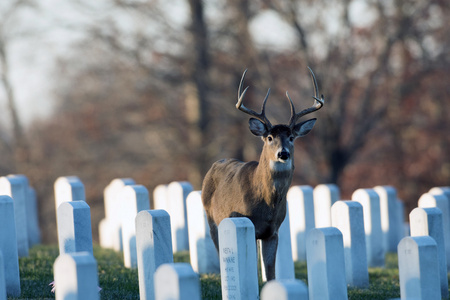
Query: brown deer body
(257, 190)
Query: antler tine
(318, 103)
(313, 77)
(263, 110)
(292, 120)
(316, 91)
(239, 105)
(240, 93)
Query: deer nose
(283, 154)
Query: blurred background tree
(149, 92)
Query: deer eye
(269, 138)
(291, 138)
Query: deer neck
(274, 178)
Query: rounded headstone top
(361, 194)
(6, 199)
(78, 204)
(236, 222)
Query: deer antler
(318, 103)
(239, 105)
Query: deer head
(279, 139)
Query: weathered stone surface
(76, 276)
(301, 205)
(8, 246)
(203, 253)
(326, 266)
(348, 217)
(325, 195)
(428, 221)
(74, 227)
(176, 282)
(418, 268)
(238, 263)
(154, 248)
(370, 201)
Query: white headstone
(177, 193)
(348, 217)
(76, 276)
(74, 227)
(326, 266)
(154, 248)
(444, 190)
(135, 198)
(293, 289)
(16, 187)
(400, 220)
(2, 279)
(68, 188)
(112, 197)
(284, 265)
(108, 232)
(418, 268)
(301, 207)
(160, 197)
(33, 231)
(324, 197)
(440, 201)
(8, 246)
(388, 214)
(176, 282)
(428, 221)
(441, 190)
(370, 202)
(110, 228)
(238, 262)
(203, 253)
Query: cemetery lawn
(117, 282)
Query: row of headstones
(202, 241)
(75, 269)
(174, 195)
(158, 276)
(19, 229)
(161, 279)
(378, 210)
(383, 210)
(312, 208)
(20, 226)
(74, 183)
(322, 243)
(127, 199)
(383, 217)
(123, 199)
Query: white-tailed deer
(257, 190)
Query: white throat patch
(279, 166)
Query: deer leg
(269, 251)
(214, 233)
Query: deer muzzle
(283, 155)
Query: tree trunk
(20, 145)
(197, 94)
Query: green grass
(117, 282)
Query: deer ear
(257, 127)
(303, 128)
